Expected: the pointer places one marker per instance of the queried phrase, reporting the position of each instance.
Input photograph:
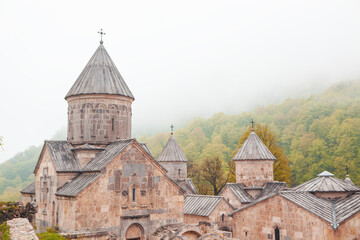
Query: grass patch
(50, 234)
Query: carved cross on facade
(252, 124)
(172, 128)
(101, 32)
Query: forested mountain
(318, 133)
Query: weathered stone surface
(98, 118)
(21, 229)
(254, 172)
(260, 220)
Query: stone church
(102, 184)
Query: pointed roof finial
(172, 129)
(101, 34)
(347, 170)
(252, 124)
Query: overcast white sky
(181, 59)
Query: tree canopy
(282, 172)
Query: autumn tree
(213, 171)
(282, 170)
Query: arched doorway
(135, 232)
(191, 235)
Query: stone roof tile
(254, 149)
(100, 76)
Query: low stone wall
(21, 229)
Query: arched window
(134, 194)
(112, 124)
(277, 233)
(222, 217)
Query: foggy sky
(181, 59)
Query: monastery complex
(102, 184)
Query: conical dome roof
(326, 182)
(172, 152)
(254, 149)
(100, 76)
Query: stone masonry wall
(108, 202)
(349, 230)
(216, 217)
(176, 170)
(254, 172)
(98, 119)
(84, 156)
(45, 189)
(231, 198)
(260, 221)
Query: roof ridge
(198, 195)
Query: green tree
(213, 171)
(282, 170)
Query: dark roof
(201, 205)
(347, 207)
(326, 182)
(104, 157)
(334, 212)
(77, 184)
(254, 149)
(63, 158)
(100, 76)
(316, 205)
(30, 189)
(172, 152)
(238, 190)
(271, 188)
(187, 185)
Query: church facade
(102, 184)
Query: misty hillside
(318, 133)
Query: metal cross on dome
(101, 32)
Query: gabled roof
(334, 212)
(144, 146)
(104, 157)
(187, 185)
(62, 157)
(100, 76)
(91, 171)
(77, 184)
(202, 205)
(254, 149)
(316, 205)
(271, 188)
(30, 189)
(326, 182)
(172, 152)
(238, 190)
(347, 207)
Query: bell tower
(254, 162)
(99, 103)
